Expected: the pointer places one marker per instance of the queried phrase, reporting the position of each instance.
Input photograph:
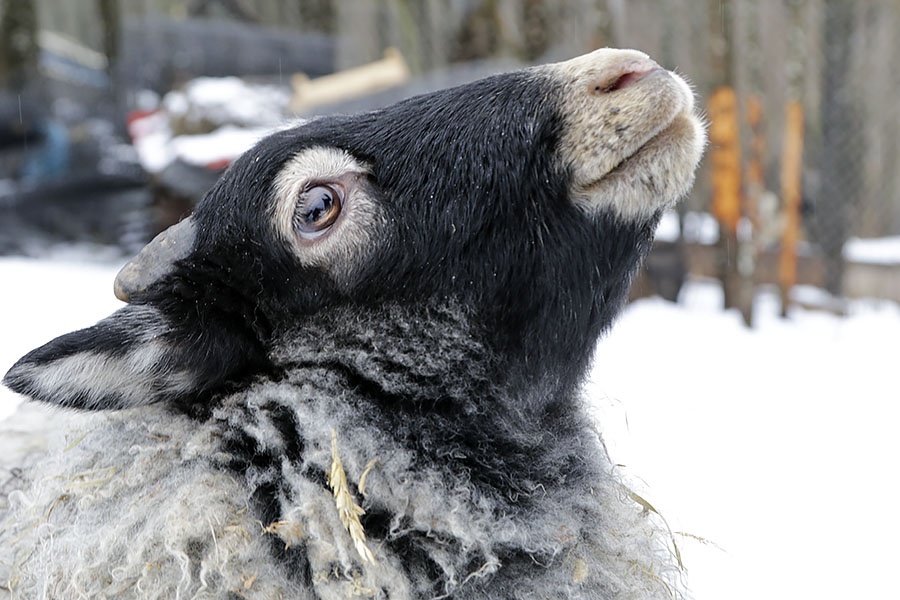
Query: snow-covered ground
(884, 251)
(769, 451)
(774, 445)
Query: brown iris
(317, 209)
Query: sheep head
(527, 198)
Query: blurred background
(117, 115)
(771, 450)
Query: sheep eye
(317, 210)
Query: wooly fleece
(355, 370)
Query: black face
(478, 208)
(475, 207)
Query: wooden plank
(350, 83)
(727, 196)
(791, 171)
(754, 177)
(725, 158)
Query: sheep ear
(154, 350)
(122, 361)
(134, 357)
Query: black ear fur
(134, 357)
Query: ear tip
(121, 362)
(42, 374)
(9, 378)
(17, 377)
(39, 380)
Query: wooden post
(725, 169)
(373, 77)
(754, 178)
(791, 171)
(750, 242)
(725, 157)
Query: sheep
(355, 370)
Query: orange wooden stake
(754, 179)
(791, 170)
(725, 158)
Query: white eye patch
(351, 234)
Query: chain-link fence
(834, 57)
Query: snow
(769, 451)
(881, 251)
(236, 113)
(222, 145)
(774, 444)
(228, 100)
(157, 146)
(669, 229)
(700, 228)
(151, 136)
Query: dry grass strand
(348, 510)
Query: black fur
(479, 211)
(459, 335)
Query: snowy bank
(769, 451)
(880, 251)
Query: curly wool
(128, 506)
(152, 503)
(358, 361)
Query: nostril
(628, 78)
(622, 80)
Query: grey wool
(355, 370)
